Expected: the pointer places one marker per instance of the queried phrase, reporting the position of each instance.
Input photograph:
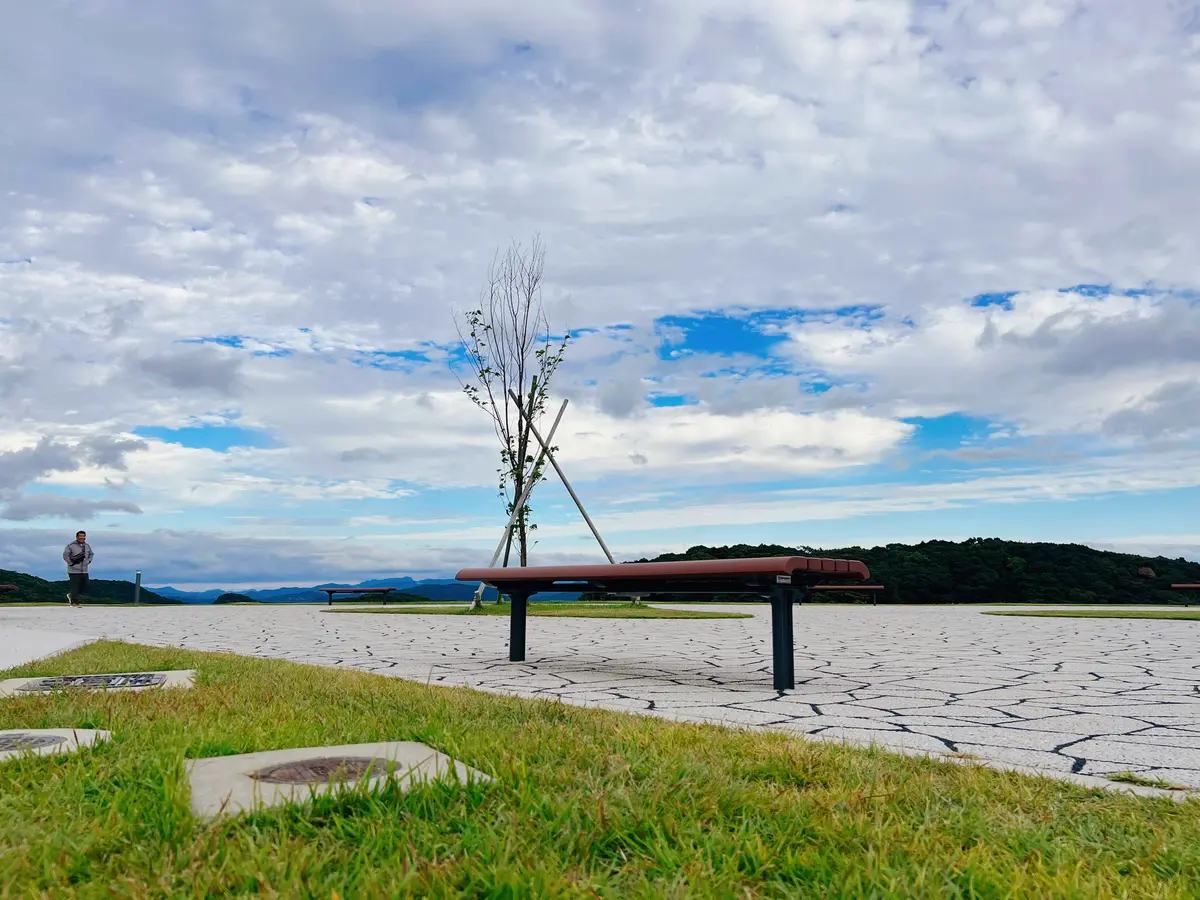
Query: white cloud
(1053, 363)
(324, 178)
(734, 508)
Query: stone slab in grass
(233, 784)
(16, 742)
(116, 681)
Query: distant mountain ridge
(432, 588)
(978, 570)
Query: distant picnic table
(373, 590)
(784, 580)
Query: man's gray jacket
(77, 556)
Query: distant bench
(7, 588)
(377, 590)
(784, 580)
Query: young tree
(508, 346)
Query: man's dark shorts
(79, 584)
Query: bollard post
(137, 588)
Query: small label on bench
(783, 579)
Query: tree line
(987, 570)
(31, 589)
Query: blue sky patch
(670, 400)
(238, 342)
(948, 432)
(220, 438)
(393, 360)
(1088, 290)
(1003, 299)
(224, 340)
(714, 333)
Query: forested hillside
(31, 589)
(990, 570)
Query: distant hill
(990, 570)
(31, 589)
(212, 594)
(442, 589)
(397, 597)
(398, 583)
(979, 570)
(234, 598)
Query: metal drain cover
(96, 682)
(323, 769)
(24, 741)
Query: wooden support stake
(562, 475)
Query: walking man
(77, 556)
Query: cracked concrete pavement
(1083, 696)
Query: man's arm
(88, 549)
(67, 554)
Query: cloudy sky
(837, 273)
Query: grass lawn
(586, 803)
(567, 610)
(1193, 614)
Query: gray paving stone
(1068, 723)
(826, 721)
(18, 742)
(1042, 760)
(232, 784)
(917, 679)
(1139, 754)
(891, 740)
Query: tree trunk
(518, 480)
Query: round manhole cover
(322, 769)
(24, 741)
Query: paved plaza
(1085, 696)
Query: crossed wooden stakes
(544, 454)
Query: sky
(835, 274)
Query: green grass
(589, 610)
(586, 803)
(1186, 614)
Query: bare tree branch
(507, 346)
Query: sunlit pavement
(1087, 696)
(19, 646)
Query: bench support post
(783, 644)
(516, 626)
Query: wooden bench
(7, 588)
(376, 590)
(784, 580)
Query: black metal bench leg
(516, 627)
(783, 644)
